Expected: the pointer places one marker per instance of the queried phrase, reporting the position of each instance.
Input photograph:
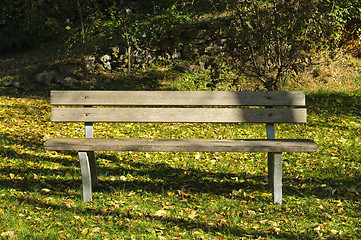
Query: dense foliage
(25, 23)
(274, 37)
(271, 38)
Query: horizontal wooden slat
(178, 98)
(182, 145)
(185, 115)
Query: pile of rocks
(63, 74)
(187, 41)
(184, 42)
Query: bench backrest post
(88, 127)
(89, 130)
(270, 128)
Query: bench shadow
(167, 178)
(163, 178)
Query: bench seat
(182, 145)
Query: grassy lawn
(181, 195)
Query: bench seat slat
(182, 145)
(180, 115)
(177, 98)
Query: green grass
(181, 195)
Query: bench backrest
(178, 106)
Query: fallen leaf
(161, 213)
(192, 215)
(8, 234)
(45, 190)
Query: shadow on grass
(159, 178)
(329, 104)
(137, 80)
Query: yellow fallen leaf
(7, 234)
(45, 190)
(265, 194)
(192, 215)
(161, 213)
(277, 230)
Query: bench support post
(85, 176)
(275, 176)
(91, 155)
(274, 168)
(270, 128)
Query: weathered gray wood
(178, 98)
(270, 128)
(270, 161)
(182, 145)
(186, 115)
(85, 176)
(91, 155)
(276, 173)
(93, 168)
(88, 130)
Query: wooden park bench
(179, 107)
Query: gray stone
(69, 81)
(183, 68)
(213, 48)
(47, 77)
(176, 55)
(90, 62)
(106, 60)
(16, 84)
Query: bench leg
(275, 176)
(93, 169)
(85, 176)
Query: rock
(16, 84)
(47, 77)
(213, 48)
(8, 84)
(105, 59)
(183, 68)
(69, 81)
(90, 62)
(176, 55)
(202, 65)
